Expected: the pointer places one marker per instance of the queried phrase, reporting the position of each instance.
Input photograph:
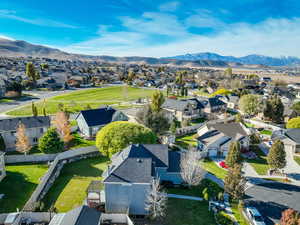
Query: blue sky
(156, 27)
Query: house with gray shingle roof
(215, 139)
(128, 178)
(35, 126)
(290, 139)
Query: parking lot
(272, 198)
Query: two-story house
(290, 139)
(183, 109)
(213, 105)
(2, 166)
(128, 179)
(215, 139)
(35, 126)
(92, 120)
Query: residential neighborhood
(140, 113)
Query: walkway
(184, 197)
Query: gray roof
(293, 134)
(82, 215)
(174, 162)
(181, 104)
(136, 163)
(29, 122)
(229, 129)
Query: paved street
(272, 198)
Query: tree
(238, 118)
(157, 100)
(156, 201)
(22, 141)
(34, 109)
(234, 154)
(274, 109)
(255, 139)
(173, 127)
(250, 104)
(44, 109)
(2, 143)
(50, 142)
(296, 108)
(293, 123)
(221, 91)
(117, 135)
(62, 124)
(276, 156)
(228, 72)
(30, 71)
(290, 217)
(234, 182)
(191, 172)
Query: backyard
(186, 141)
(79, 100)
(297, 159)
(211, 167)
(260, 164)
(69, 189)
(18, 185)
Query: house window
(12, 133)
(41, 130)
(35, 140)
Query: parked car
(254, 216)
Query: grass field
(69, 189)
(297, 159)
(18, 185)
(259, 164)
(266, 132)
(210, 166)
(237, 212)
(185, 141)
(79, 100)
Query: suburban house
(92, 120)
(84, 215)
(2, 166)
(290, 138)
(35, 126)
(216, 138)
(232, 101)
(213, 105)
(128, 179)
(183, 109)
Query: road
(271, 198)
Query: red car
(223, 165)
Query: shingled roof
(96, 117)
(293, 134)
(82, 215)
(29, 122)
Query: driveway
(272, 198)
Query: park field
(118, 96)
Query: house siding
(126, 198)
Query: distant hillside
(249, 59)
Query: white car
(254, 216)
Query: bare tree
(61, 122)
(191, 171)
(22, 144)
(156, 202)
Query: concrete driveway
(272, 198)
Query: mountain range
(249, 59)
(11, 48)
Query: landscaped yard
(18, 185)
(297, 159)
(79, 100)
(212, 167)
(238, 214)
(186, 141)
(266, 132)
(79, 142)
(69, 190)
(260, 164)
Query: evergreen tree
(30, 71)
(50, 142)
(234, 182)
(276, 157)
(274, 109)
(157, 100)
(34, 109)
(234, 154)
(2, 143)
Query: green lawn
(69, 189)
(297, 159)
(259, 164)
(266, 132)
(237, 212)
(6, 100)
(18, 185)
(197, 121)
(78, 100)
(249, 125)
(213, 168)
(79, 142)
(185, 141)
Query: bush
(50, 142)
(223, 219)
(293, 123)
(117, 135)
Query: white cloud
(6, 37)
(274, 37)
(10, 14)
(169, 6)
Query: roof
(29, 122)
(180, 105)
(229, 129)
(82, 215)
(174, 162)
(96, 117)
(136, 163)
(215, 102)
(293, 134)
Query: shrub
(293, 123)
(117, 135)
(50, 142)
(223, 219)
